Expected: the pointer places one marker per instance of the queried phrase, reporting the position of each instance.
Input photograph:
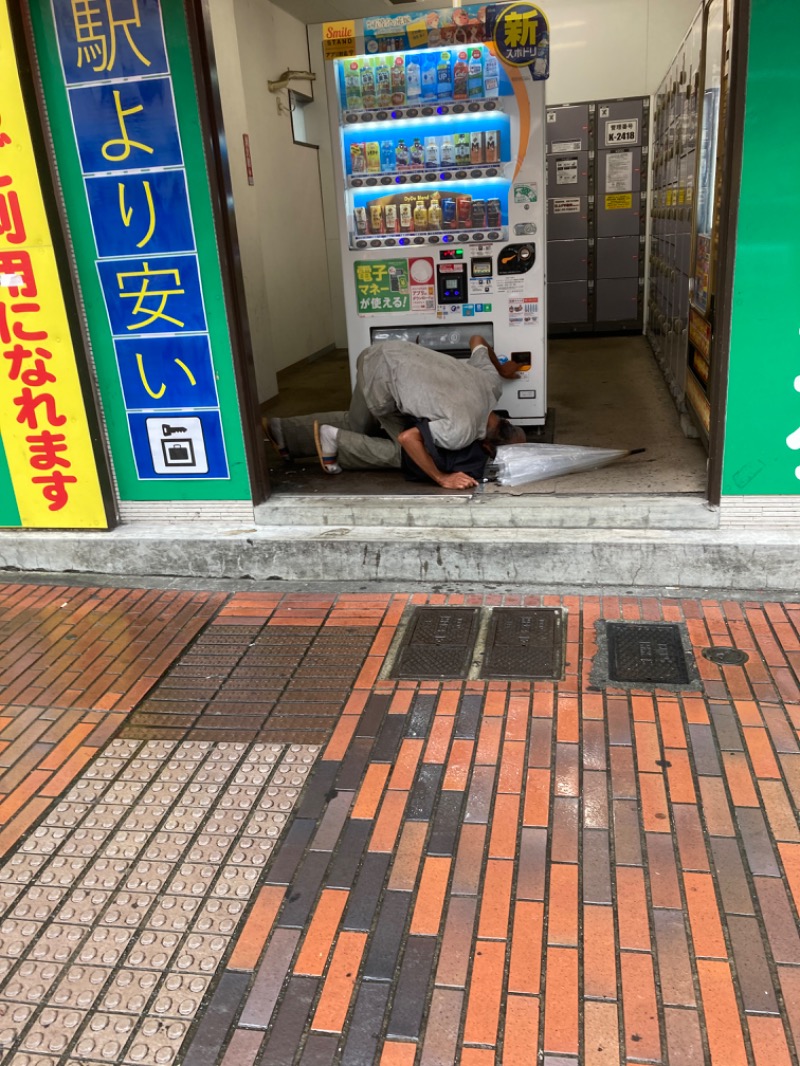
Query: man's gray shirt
(455, 395)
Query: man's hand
(410, 440)
(456, 481)
(505, 370)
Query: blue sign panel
(134, 214)
(521, 36)
(166, 372)
(173, 444)
(129, 145)
(153, 296)
(128, 126)
(103, 39)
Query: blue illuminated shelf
(426, 176)
(402, 114)
(412, 240)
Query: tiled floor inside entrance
(295, 860)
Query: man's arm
(411, 441)
(505, 370)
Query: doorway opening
(624, 390)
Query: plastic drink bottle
(444, 77)
(475, 75)
(383, 83)
(491, 77)
(460, 77)
(352, 87)
(413, 80)
(373, 150)
(428, 71)
(398, 82)
(387, 155)
(368, 86)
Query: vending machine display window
(439, 152)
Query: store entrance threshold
(605, 392)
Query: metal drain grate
(648, 653)
(438, 643)
(726, 656)
(524, 643)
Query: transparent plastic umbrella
(517, 464)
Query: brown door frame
(198, 18)
(729, 214)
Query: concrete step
(713, 559)
(490, 510)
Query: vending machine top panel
(518, 31)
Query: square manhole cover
(525, 643)
(649, 653)
(438, 643)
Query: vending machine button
(401, 179)
(416, 177)
(367, 117)
(445, 175)
(430, 177)
(461, 174)
(490, 105)
(493, 236)
(419, 240)
(442, 110)
(386, 181)
(412, 112)
(475, 173)
(351, 118)
(491, 172)
(382, 116)
(391, 242)
(447, 238)
(433, 240)
(372, 181)
(463, 236)
(474, 107)
(458, 109)
(361, 244)
(357, 183)
(427, 111)
(404, 241)
(374, 244)
(477, 236)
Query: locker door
(567, 261)
(568, 218)
(568, 128)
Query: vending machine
(439, 147)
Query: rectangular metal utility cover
(648, 653)
(438, 643)
(524, 642)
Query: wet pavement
(227, 836)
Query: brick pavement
(474, 872)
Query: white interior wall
(612, 49)
(279, 218)
(598, 50)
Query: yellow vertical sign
(42, 413)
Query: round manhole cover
(725, 656)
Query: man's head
(501, 431)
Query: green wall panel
(9, 512)
(131, 487)
(764, 387)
